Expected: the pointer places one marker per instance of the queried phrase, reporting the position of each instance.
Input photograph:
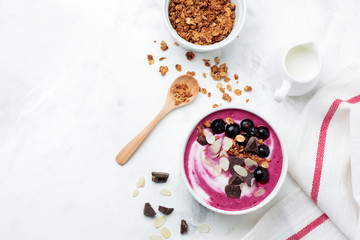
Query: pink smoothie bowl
(209, 191)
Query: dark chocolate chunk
(202, 140)
(235, 180)
(183, 227)
(251, 146)
(235, 161)
(233, 191)
(148, 210)
(159, 177)
(165, 210)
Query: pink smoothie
(211, 189)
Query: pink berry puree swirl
(211, 189)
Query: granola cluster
(202, 22)
(218, 71)
(181, 93)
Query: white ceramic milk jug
(301, 64)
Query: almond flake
(155, 237)
(224, 163)
(250, 163)
(165, 232)
(215, 147)
(159, 221)
(165, 192)
(240, 170)
(259, 192)
(227, 143)
(204, 228)
(210, 138)
(135, 193)
(140, 183)
(223, 154)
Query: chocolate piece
(183, 227)
(165, 210)
(251, 145)
(233, 191)
(235, 180)
(159, 177)
(148, 210)
(235, 161)
(202, 140)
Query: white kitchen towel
(324, 159)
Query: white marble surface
(75, 87)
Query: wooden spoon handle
(125, 154)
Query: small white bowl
(263, 202)
(240, 13)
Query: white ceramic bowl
(240, 13)
(263, 202)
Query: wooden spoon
(125, 154)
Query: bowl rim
(264, 201)
(201, 48)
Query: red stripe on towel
(311, 226)
(321, 144)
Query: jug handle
(282, 91)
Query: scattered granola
(220, 72)
(150, 59)
(162, 58)
(176, 44)
(189, 55)
(247, 100)
(248, 89)
(191, 73)
(236, 76)
(227, 79)
(163, 46)
(204, 91)
(181, 93)
(217, 60)
(163, 70)
(226, 97)
(207, 64)
(219, 85)
(215, 105)
(228, 87)
(202, 22)
(204, 75)
(178, 67)
(209, 94)
(237, 92)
